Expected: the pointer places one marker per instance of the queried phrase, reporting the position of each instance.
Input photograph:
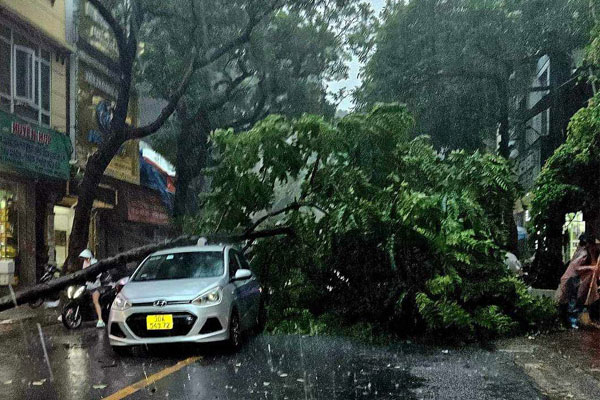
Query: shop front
(139, 218)
(34, 167)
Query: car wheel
(71, 318)
(235, 331)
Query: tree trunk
(94, 171)
(192, 157)
(137, 254)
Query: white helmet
(87, 253)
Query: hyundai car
(203, 293)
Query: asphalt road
(81, 365)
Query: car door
(252, 290)
(238, 288)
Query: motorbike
(50, 272)
(79, 306)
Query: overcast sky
(353, 80)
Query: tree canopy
(282, 69)
(459, 64)
(386, 230)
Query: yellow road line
(131, 389)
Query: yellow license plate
(159, 322)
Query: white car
(187, 294)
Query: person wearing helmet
(89, 260)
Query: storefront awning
(32, 149)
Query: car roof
(190, 249)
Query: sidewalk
(45, 313)
(564, 365)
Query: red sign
(149, 211)
(26, 131)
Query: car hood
(171, 290)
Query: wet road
(268, 367)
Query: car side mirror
(242, 274)
(123, 281)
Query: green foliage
(388, 232)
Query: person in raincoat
(575, 282)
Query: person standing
(577, 279)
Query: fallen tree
(137, 254)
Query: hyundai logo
(160, 303)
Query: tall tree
(282, 69)
(459, 64)
(127, 20)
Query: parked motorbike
(50, 272)
(79, 306)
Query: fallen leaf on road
(266, 383)
(8, 382)
(300, 380)
(38, 383)
(283, 375)
(100, 386)
(238, 365)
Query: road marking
(131, 389)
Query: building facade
(35, 147)
(556, 93)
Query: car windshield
(181, 266)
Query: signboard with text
(33, 149)
(94, 88)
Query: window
(5, 60)
(233, 264)
(181, 266)
(25, 77)
(242, 261)
(24, 74)
(9, 243)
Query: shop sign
(33, 149)
(147, 211)
(97, 89)
(96, 32)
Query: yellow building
(35, 147)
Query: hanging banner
(33, 149)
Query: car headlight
(121, 303)
(74, 292)
(209, 298)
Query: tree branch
(138, 133)
(137, 254)
(259, 110)
(224, 98)
(114, 26)
(292, 207)
(253, 20)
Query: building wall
(58, 99)
(46, 15)
(44, 24)
(41, 22)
